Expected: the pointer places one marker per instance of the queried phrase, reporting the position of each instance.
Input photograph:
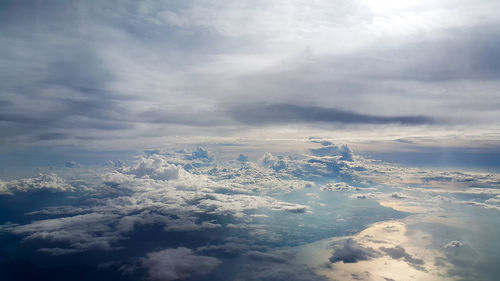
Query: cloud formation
(350, 252)
(290, 113)
(72, 71)
(177, 264)
(200, 213)
(42, 182)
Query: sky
(249, 140)
(121, 73)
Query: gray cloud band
(290, 113)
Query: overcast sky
(83, 72)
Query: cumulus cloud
(201, 154)
(154, 192)
(177, 264)
(344, 151)
(339, 186)
(155, 167)
(42, 182)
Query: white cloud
(155, 167)
(339, 186)
(156, 191)
(81, 232)
(42, 182)
(152, 191)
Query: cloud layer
(83, 71)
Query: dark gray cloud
(399, 252)
(257, 114)
(177, 264)
(349, 251)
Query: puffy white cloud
(236, 203)
(154, 167)
(339, 186)
(42, 182)
(153, 191)
(157, 191)
(329, 149)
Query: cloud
(42, 182)
(398, 252)
(201, 154)
(177, 264)
(348, 251)
(80, 232)
(154, 192)
(333, 150)
(290, 113)
(251, 202)
(339, 186)
(453, 244)
(155, 167)
(71, 72)
(397, 196)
